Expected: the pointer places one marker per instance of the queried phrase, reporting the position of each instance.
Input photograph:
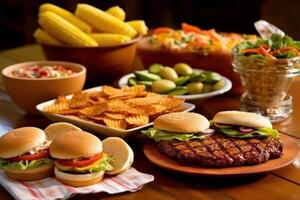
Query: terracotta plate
(290, 152)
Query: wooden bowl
(217, 61)
(28, 92)
(103, 64)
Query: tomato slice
(80, 162)
(41, 154)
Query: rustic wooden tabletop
(280, 184)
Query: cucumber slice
(132, 81)
(146, 83)
(197, 77)
(146, 76)
(211, 77)
(182, 80)
(180, 90)
(155, 68)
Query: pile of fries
(124, 108)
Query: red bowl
(103, 64)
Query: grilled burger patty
(219, 150)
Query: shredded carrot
(190, 28)
(162, 30)
(255, 50)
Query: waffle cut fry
(137, 120)
(115, 123)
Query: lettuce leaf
(104, 165)
(24, 164)
(261, 132)
(159, 135)
(235, 133)
(268, 132)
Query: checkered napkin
(50, 189)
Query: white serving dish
(97, 129)
(198, 97)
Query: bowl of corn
(100, 40)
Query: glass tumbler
(266, 82)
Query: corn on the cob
(63, 30)
(66, 15)
(43, 37)
(109, 39)
(139, 26)
(103, 21)
(117, 12)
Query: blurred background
(18, 18)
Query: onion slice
(246, 129)
(208, 132)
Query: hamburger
(235, 139)
(243, 125)
(79, 160)
(24, 154)
(181, 126)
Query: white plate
(227, 86)
(92, 126)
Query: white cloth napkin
(49, 188)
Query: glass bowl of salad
(266, 68)
(31, 83)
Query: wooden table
(280, 184)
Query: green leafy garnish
(24, 164)
(276, 47)
(159, 135)
(261, 132)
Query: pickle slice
(146, 76)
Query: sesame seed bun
(182, 122)
(75, 144)
(19, 141)
(241, 118)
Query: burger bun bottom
(31, 174)
(78, 180)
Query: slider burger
(24, 154)
(79, 160)
(243, 125)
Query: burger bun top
(75, 144)
(241, 118)
(21, 140)
(182, 122)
